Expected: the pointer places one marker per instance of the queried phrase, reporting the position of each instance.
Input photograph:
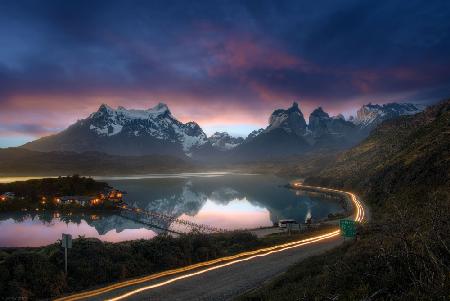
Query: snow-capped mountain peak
(370, 115)
(160, 108)
(255, 133)
(224, 141)
(156, 122)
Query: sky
(224, 64)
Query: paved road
(230, 281)
(225, 279)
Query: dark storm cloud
(120, 44)
(382, 33)
(245, 54)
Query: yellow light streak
(229, 260)
(136, 291)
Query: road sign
(66, 241)
(348, 227)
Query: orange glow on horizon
(220, 113)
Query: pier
(165, 221)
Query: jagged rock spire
(290, 120)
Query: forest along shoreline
(62, 193)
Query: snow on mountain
(131, 132)
(223, 141)
(339, 116)
(156, 122)
(255, 133)
(291, 120)
(127, 132)
(370, 115)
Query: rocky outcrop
(224, 141)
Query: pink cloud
(243, 55)
(239, 52)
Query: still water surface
(228, 201)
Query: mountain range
(155, 131)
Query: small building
(7, 196)
(284, 223)
(110, 195)
(83, 201)
(113, 195)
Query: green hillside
(411, 153)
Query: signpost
(66, 243)
(348, 228)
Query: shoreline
(261, 231)
(14, 178)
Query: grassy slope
(411, 151)
(402, 170)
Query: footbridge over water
(166, 222)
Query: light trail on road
(219, 262)
(359, 217)
(332, 234)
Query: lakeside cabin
(78, 200)
(112, 195)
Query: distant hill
(18, 161)
(407, 151)
(223, 141)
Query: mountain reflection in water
(229, 201)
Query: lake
(223, 200)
